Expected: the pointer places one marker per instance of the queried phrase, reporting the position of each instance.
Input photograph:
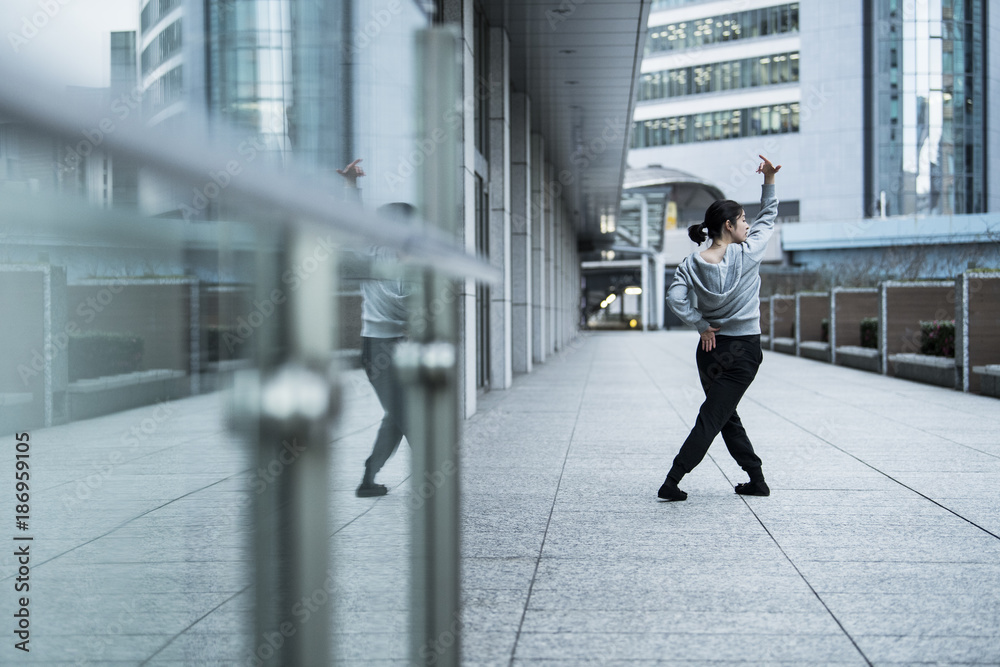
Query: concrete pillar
(461, 13)
(501, 375)
(659, 291)
(520, 233)
(552, 217)
(539, 221)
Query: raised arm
(763, 225)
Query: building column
(553, 212)
(501, 376)
(520, 233)
(461, 13)
(539, 221)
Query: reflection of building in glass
(927, 100)
(81, 167)
(161, 63)
(250, 68)
(231, 61)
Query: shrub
(937, 338)
(869, 332)
(97, 354)
(219, 347)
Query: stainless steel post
(287, 406)
(428, 368)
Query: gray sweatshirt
(726, 295)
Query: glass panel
(153, 265)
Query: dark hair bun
(697, 233)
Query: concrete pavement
(879, 545)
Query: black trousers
(725, 372)
(376, 357)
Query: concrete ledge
(938, 371)
(216, 372)
(15, 398)
(863, 358)
(814, 349)
(765, 342)
(786, 345)
(989, 381)
(106, 395)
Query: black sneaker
(669, 491)
(753, 489)
(370, 490)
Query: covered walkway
(879, 544)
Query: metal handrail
(304, 199)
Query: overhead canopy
(579, 60)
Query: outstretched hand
(708, 338)
(768, 169)
(352, 173)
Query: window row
(724, 28)
(155, 10)
(660, 5)
(713, 77)
(163, 46)
(163, 92)
(716, 125)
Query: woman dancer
(718, 290)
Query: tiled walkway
(880, 542)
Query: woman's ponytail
(697, 233)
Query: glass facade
(155, 10)
(660, 5)
(273, 291)
(721, 76)
(929, 107)
(250, 68)
(164, 46)
(780, 19)
(716, 125)
(164, 91)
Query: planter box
(814, 349)
(106, 395)
(217, 373)
(765, 342)
(786, 345)
(939, 371)
(863, 358)
(989, 379)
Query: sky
(67, 41)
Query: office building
(878, 108)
